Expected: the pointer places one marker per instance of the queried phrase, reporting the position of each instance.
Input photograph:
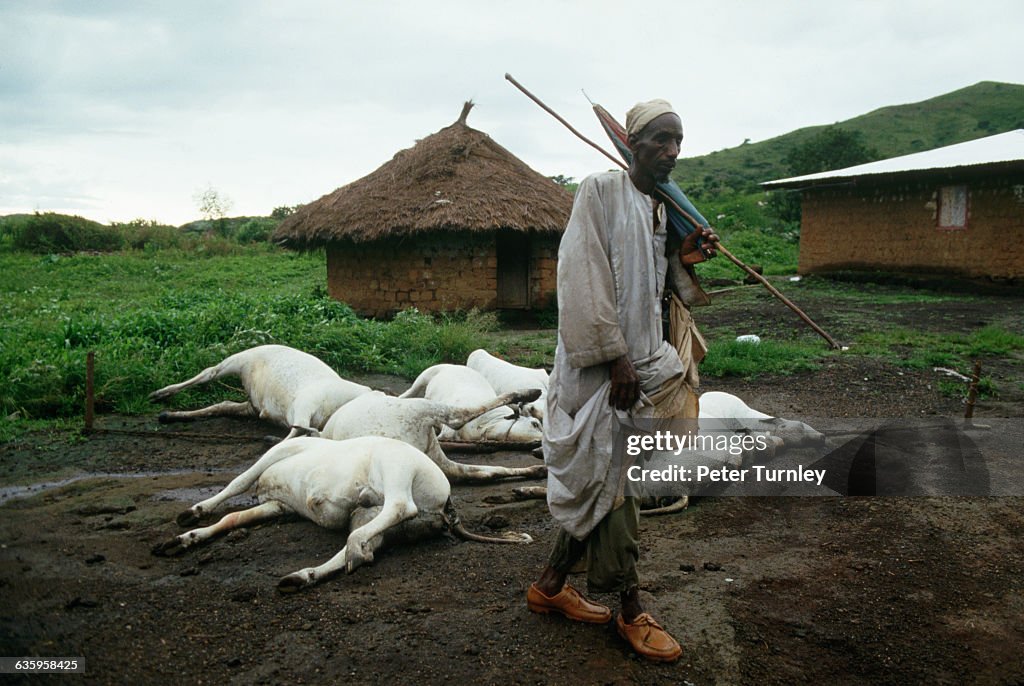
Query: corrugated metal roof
(1003, 147)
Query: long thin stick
(531, 96)
(732, 258)
(778, 294)
(972, 391)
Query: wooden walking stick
(721, 248)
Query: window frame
(939, 206)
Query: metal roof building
(955, 210)
(1002, 149)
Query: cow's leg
(227, 408)
(677, 505)
(456, 417)
(205, 376)
(456, 471)
(240, 484)
(358, 548)
(300, 419)
(235, 520)
(417, 528)
(419, 386)
(301, 431)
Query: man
(612, 366)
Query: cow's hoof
(529, 493)
(272, 440)
(293, 583)
(538, 453)
(187, 518)
(169, 548)
(528, 396)
(354, 559)
(164, 417)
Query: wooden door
(513, 249)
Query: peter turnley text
(668, 442)
(705, 474)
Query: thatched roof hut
(455, 221)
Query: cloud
(131, 107)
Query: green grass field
(158, 317)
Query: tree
(284, 211)
(831, 148)
(566, 182)
(214, 207)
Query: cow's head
(794, 433)
(514, 428)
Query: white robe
(611, 275)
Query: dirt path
(759, 590)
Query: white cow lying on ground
(505, 377)
(719, 405)
(462, 387)
(417, 421)
(720, 412)
(328, 482)
(284, 385)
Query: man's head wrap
(643, 112)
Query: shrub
(11, 226)
(255, 230)
(145, 234)
(50, 232)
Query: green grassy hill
(983, 109)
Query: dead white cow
(417, 421)
(725, 406)
(460, 386)
(721, 412)
(284, 385)
(333, 483)
(505, 377)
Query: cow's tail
(454, 523)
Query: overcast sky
(123, 110)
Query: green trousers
(611, 550)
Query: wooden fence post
(90, 400)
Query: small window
(953, 207)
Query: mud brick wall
(543, 270)
(895, 228)
(433, 272)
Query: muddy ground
(758, 590)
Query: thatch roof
(457, 179)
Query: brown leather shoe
(569, 603)
(649, 639)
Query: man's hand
(690, 254)
(625, 384)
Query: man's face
(656, 147)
